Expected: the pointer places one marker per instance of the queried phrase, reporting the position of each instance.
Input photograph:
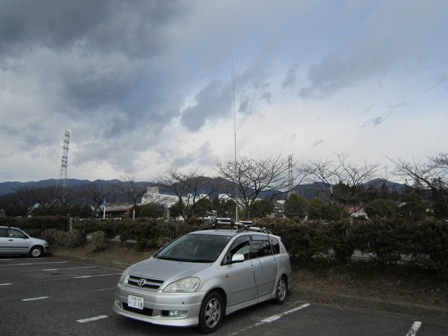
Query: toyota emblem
(141, 282)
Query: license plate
(135, 302)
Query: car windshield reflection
(194, 248)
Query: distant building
(153, 195)
(117, 210)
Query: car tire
(281, 290)
(36, 251)
(211, 313)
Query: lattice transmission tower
(62, 181)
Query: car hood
(166, 270)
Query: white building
(153, 195)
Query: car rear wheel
(36, 251)
(281, 290)
(211, 313)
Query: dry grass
(394, 283)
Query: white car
(14, 241)
(204, 275)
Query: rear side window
(260, 246)
(3, 232)
(275, 245)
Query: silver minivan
(205, 275)
(14, 241)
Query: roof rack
(227, 223)
(247, 226)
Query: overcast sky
(143, 86)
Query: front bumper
(170, 309)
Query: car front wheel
(211, 313)
(36, 252)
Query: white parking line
(36, 263)
(415, 327)
(276, 317)
(36, 298)
(271, 319)
(6, 284)
(91, 319)
(68, 268)
(21, 264)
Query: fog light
(118, 303)
(177, 313)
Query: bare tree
(46, 198)
(23, 201)
(190, 188)
(431, 175)
(342, 182)
(251, 178)
(132, 190)
(95, 193)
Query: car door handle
(10, 239)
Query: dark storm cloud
(99, 47)
(94, 67)
(213, 102)
(93, 54)
(101, 24)
(145, 84)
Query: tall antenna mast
(290, 175)
(64, 161)
(234, 132)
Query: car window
(15, 233)
(275, 245)
(3, 232)
(241, 245)
(260, 246)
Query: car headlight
(186, 285)
(124, 277)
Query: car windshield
(194, 248)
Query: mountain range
(309, 191)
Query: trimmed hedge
(423, 244)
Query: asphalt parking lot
(54, 296)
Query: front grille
(144, 311)
(147, 283)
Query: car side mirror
(237, 258)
